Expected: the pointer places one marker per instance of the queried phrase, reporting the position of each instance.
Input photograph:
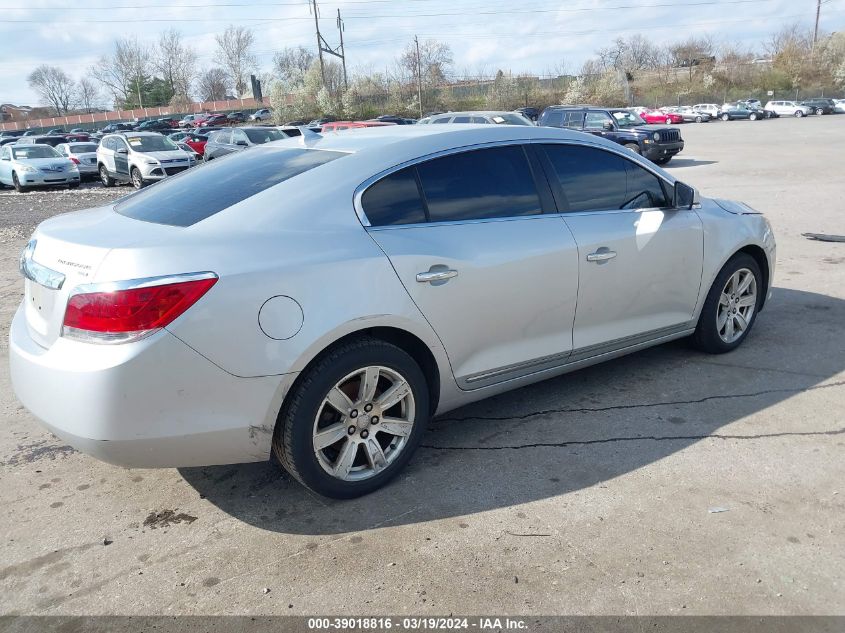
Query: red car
(196, 142)
(216, 119)
(656, 116)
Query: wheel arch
(410, 343)
(759, 256)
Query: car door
(6, 165)
(121, 157)
(496, 278)
(594, 123)
(640, 260)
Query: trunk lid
(74, 246)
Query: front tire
(731, 307)
(353, 420)
(698, 119)
(17, 184)
(633, 147)
(798, 114)
(137, 180)
(726, 117)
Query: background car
(839, 106)
(111, 128)
(710, 108)
(83, 155)
(734, 111)
(820, 105)
(154, 125)
(139, 158)
(496, 117)
(264, 114)
(235, 139)
(56, 131)
(658, 144)
(42, 140)
(337, 126)
(196, 142)
(656, 116)
(216, 119)
(689, 115)
(789, 108)
(189, 120)
(206, 129)
(189, 150)
(236, 117)
(392, 118)
(23, 166)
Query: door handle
(601, 256)
(436, 275)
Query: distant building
(11, 112)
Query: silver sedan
(83, 155)
(322, 298)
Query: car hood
(168, 155)
(647, 129)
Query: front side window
(480, 184)
(200, 193)
(574, 120)
(593, 179)
(239, 136)
(553, 118)
(596, 120)
(259, 137)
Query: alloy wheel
(736, 305)
(363, 423)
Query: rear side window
(595, 180)
(394, 199)
(552, 118)
(481, 184)
(203, 191)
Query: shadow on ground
(570, 432)
(688, 162)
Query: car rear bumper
(663, 150)
(152, 403)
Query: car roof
(476, 113)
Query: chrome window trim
(621, 152)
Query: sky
(538, 36)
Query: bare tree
(234, 54)
(291, 64)
(54, 86)
(124, 72)
(175, 61)
(88, 95)
(213, 85)
(434, 61)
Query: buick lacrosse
(321, 298)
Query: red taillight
(124, 315)
(75, 160)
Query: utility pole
(323, 45)
(319, 40)
(340, 28)
(419, 75)
(818, 14)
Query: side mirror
(607, 125)
(122, 150)
(685, 196)
(242, 143)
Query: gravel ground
(592, 493)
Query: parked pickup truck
(657, 143)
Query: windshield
(83, 148)
(264, 136)
(151, 143)
(627, 119)
(34, 151)
(510, 118)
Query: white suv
(139, 158)
(708, 108)
(788, 108)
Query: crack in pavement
(643, 405)
(638, 438)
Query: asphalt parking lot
(667, 482)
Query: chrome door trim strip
(576, 358)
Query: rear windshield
(203, 191)
(265, 136)
(87, 148)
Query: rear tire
(107, 180)
(633, 147)
(753, 117)
(698, 119)
(17, 184)
(819, 111)
(375, 455)
(727, 307)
